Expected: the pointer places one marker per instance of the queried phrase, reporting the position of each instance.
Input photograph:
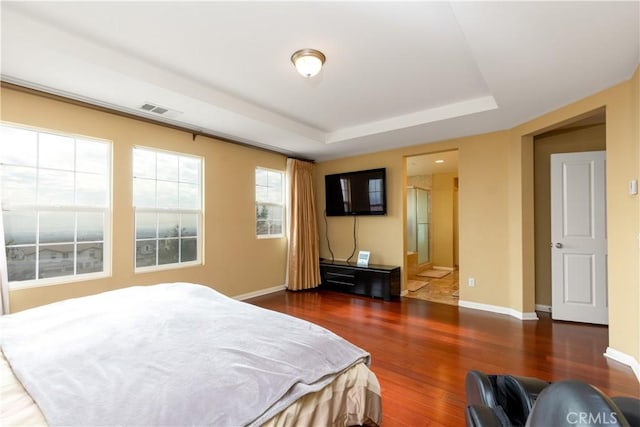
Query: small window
(269, 203)
(167, 197)
(56, 196)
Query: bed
(178, 354)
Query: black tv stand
(378, 281)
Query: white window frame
(199, 238)
(39, 208)
(281, 204)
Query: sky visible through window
(55, 198)
(167, 195)
(269, 202)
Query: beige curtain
(303, 267)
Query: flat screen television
(356, 193)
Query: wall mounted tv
(356, 193)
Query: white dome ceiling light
(308, 62)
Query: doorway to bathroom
(432, 227)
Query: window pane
(19, 228)
(167, 194)
(168, 225)
(57, 227)
(275, 196)
(167, 251)
(146, 225)
(167, 167)
(56, 152)
(145, 253)
(189, 248)
(92, 157)
(91, 189)
(19, 146)
(89, 258)
(144, 193)
(262, 212)
(270, 212)
(262, 227)
(262, 194)
(21, 263)
(275, 212)
(190, 170)
(18, 185)
(55, 261)
(275, 180)
(276, 227)
(90, 226)
(189, 196)
(189, 225)
(261, 177)
(144, 164)
(55, 187)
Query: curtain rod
(108, 110)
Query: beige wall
(482, 176)
(623, 210)
(496, 210)
(587, 138)
(372, 231)
(635, 136)
(442, 217)
(235, 262)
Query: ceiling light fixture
(308, 62)
(439, 161)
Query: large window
(56, 195)
(269, 203)
(167, 197)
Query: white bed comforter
(168, 355)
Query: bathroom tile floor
(444, 290)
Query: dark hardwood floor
(421, 350)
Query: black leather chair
(500, 400)
(508, 400)
(575, 403)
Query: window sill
(55, 281)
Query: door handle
(558, 245)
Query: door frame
(531, 170)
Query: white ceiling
(397, 73)
(425, 164)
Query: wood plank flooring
(421, 350)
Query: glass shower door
(418, 239)
(422, 217)
(412, 225)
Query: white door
(579, 238)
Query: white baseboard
(260, 293)
(625, 359)
(542, 307)
(499, 309)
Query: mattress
(173, 354)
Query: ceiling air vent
(157, 109)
